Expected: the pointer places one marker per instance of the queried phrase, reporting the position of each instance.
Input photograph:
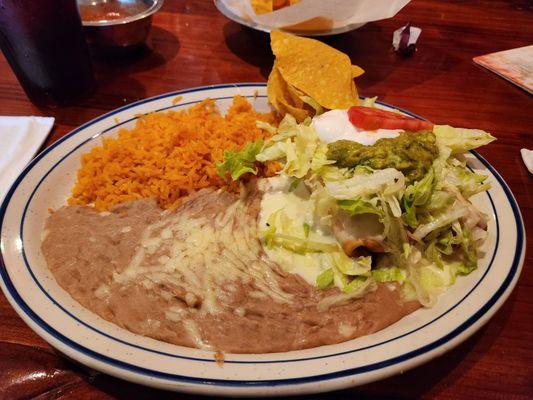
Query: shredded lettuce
(299, 156)
(237, 163)
(441, 243)
(391, 274)
(369, 101)
(439, 202)
(415, 196)
(471, 183)
(294, 184)
(330, 173)
(266, 126)
(320, 159)
(469, 259)
(433, 280)
(307, 229)
(285, 129)
(360, 206)
(449, 251)
(294, 143)
(460, 140)
(325, 205)
(467, 182)
(299, 245)
(281, 232)
(325, 279)
(356, 284)
(385, 181)
(454, 244)
(313, 104)
(431, 231)
(394, 230)
(275, 151)
(352, 266)
(357, 290)
(448, 217)
(393, 203)
(426, 282)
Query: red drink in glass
(44, 44)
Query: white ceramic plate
(264, 28)
(85, 337)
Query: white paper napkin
(20, 139)
(527, 157)
(414, 34)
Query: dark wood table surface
(192, 45)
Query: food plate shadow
(432, 378)
(251, 46)
(428, 379)
(110, 93)
(161, 47)
(372, 39)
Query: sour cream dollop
(335, 125)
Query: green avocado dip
(412, 153)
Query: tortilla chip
(277, 4)
(310, 26)
(316, 69)
(277, 88)
(354, 91)
(299, 114)
(295, 95)
(266, 6)
(283, 100)
(262, 6)
(357, 71)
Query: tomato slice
(373, 118)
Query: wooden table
(192, 45)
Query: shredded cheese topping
(199, 259)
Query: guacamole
(412, 153)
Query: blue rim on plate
(237, 383)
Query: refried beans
(197, 276)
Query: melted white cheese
(346, 330)
(202, 256)
(335, 125)
(301, 209)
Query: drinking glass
(44, 44)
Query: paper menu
(515, 65)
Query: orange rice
(166, 156)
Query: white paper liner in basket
(328, 14)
